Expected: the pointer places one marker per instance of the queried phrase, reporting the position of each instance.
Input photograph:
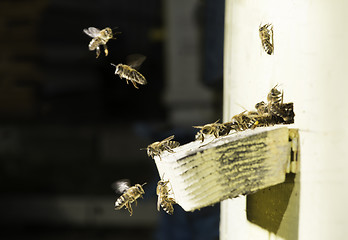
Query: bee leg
(129, 207)
(106, 51)
(216, 134)
(135, 85)
(97, 51)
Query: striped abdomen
(267, 46)
(167, 205)
(132, 194)
(125, 71)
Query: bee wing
(135, 60)
(92, 31)
(168, 138)
(121, 186)
(159, 200)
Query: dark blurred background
(69, 127)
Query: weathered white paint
(204, 173)
(310, 64)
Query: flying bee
(100, 37)
(156, 148)
(129, 72)
(266, 36)
(164, 200)
(211, 129)
(129, 194)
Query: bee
(164, 200)
(275, 96)
(100, 37)
(129, 71)
(156, 148)
(244, 120)
(283, 113)
(261, 108)
(216, 129)
(129, 194)
(275, 111)
(266, 36)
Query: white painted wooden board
(202, 174)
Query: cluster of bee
(131, 194)
(266, 36)
(266, 114)
(269, 113)
(127, 71)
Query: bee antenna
(113, 64)
(143, 149)
(143, 184)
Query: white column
(310, 63)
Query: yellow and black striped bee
(156, 148)
(244, 120)
(164, 200)
(261, 107)
(266, 36)
(275, 96)
(129, 194)
(129, 72)
(100, 37)
(216, 129)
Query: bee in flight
(128, 194)
(129, 72)
(164, 200)
(156, 148)
(266, 36)
(100, 37)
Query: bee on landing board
(216, 129)
(128, 194)
(266, 36)
(164, 200)
(129, 72)
(100, 37)
(275, 96)
(156, 148)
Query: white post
(310, 63)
